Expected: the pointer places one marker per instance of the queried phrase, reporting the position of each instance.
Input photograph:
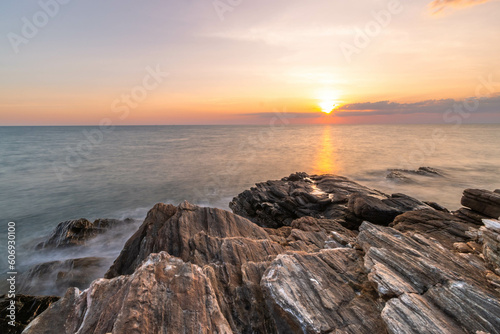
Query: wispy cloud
(487, 105)
(438, 6)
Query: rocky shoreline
(304, 254)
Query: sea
(53, 174)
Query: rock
(383, 211)
(27, 308)
(444, 227)
(399, 177)
(304, 264)
(436, 206)
(423, 171)
(319, 297)
(277, 203)
(77, 232)
(470, 216)
(164, 292)
(489, 237)
(483, 201)
(426, 285)
(233, 252)
(372, 209)
(56, 277)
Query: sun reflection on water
(325, 160)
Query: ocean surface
(52, 174)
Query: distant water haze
(53, 174)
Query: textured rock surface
(27, 308)
(489, 236)
(77, 232)
(483, 201)
(164, 292)
(306, 263)
(278, 203)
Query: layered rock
(164, 292)
(278, 203)
(305, 262)
(489, 236)
(483, 201)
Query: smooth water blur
(52, 174)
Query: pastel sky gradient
(263, 57)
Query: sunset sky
(239, 62)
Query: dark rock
(27, 308)
(56, 277)
(372, 209)
(483, 201)
(300, 195)
(399, 177)
(423, 171)
(436, 206)
(77, 232)
(470, 216)
(443, 226)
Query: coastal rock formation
(26, 309)
(306, 261)
(483, 201)
(77, 232)
(278, 203)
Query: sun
(328, 100)
(327, 106)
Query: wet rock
(27, 308)
(399, 177)
(77, 232)
(483, 201)
(423, 171)
(56, 277)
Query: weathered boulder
(164, 292)
(483, 201)
(77, 232)
(27, 308)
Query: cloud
(487, 105)
(483, 105)
(437, 6)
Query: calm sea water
(52, 174)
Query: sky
(75, 62)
